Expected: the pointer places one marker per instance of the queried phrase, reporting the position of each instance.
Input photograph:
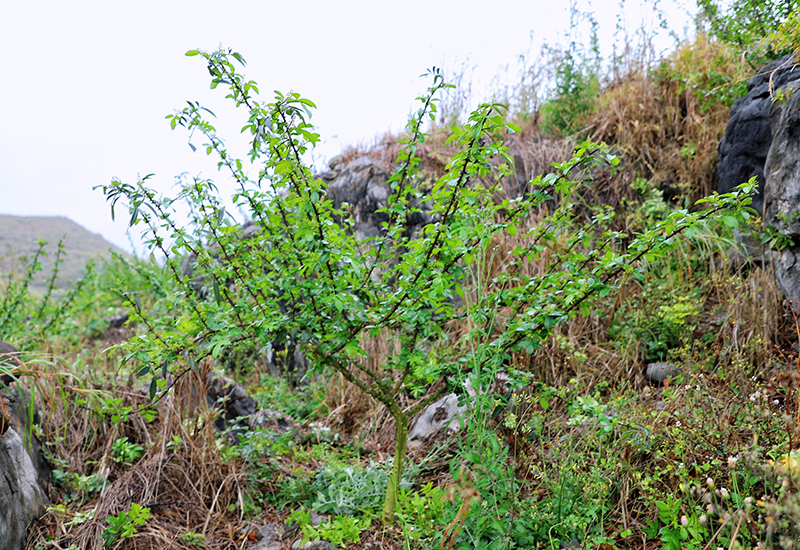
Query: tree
(301, 278)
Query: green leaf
(192, 53)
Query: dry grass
(667, 133)
(181, 477)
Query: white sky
(86, 85)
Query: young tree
(302, 279)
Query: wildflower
(732, 460)
(748, 502)
(776, 402)
(702, 519)
(724, 493)
(710, 482)
(684, 521)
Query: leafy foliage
(301, 279)
(347, 491)
(749, 25)
(125, 524)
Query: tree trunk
(390, 503)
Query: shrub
(302, 279)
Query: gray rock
(240, 411)
(25, 473)
(782, 171)
(438, 416)
(782, 198)
(658, 372)
(787, 273)
(118, 321)
(744, 148)
(269, 538)
(22, 495)
(314, 545)
(361, 184)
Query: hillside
(533, 326)
(18, 245)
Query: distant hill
(18, 236)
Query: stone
(240, 412)
(25, 473)
(313, 545)
(362, 185)
(782, 171)
(744, 148)
(782, 196)
(658, 372)
(442, 415)
(787, 273)
(23, 498)
(445, 416)
(118, 321)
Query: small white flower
(724, 493)
(710, 482)
(732, 460)
(748, 502)
(702, 519)
(684, 521)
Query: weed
(347, 490)
(194, 539)
(125, 451)
(125, 524)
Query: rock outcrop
(361, 183)
(24, 473)
(782, 200)
(240, 411)
(744, 148)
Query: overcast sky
(86, 85)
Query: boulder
(442, 415)
(657, 373)
(361, 184)
(782, 197)
(239, 411)
(25, 473)
(744, 148)
(782, 170)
